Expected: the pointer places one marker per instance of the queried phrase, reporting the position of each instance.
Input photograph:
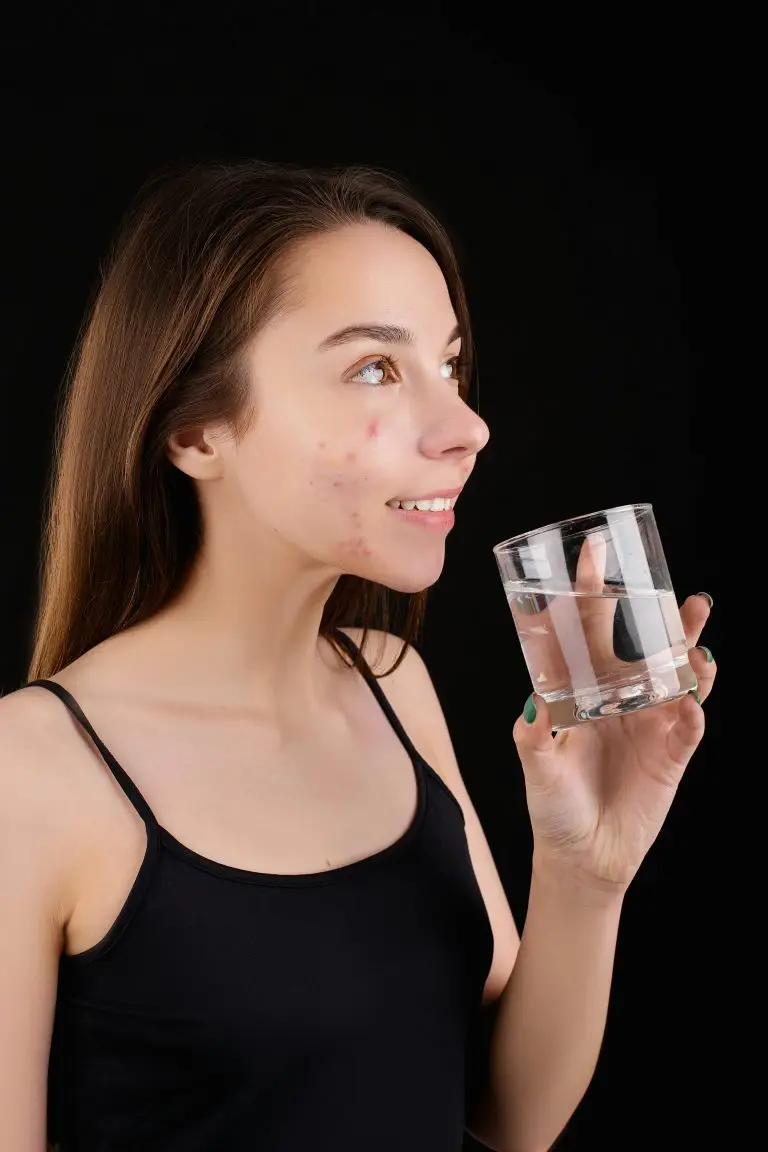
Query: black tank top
(229, 1010)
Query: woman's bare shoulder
(36, 767)
(27, 720)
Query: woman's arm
(32, 914)
(550, 1020)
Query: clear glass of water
(596, 614)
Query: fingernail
(703, 648)
(707, 596)
(696, 696)
(529, 712)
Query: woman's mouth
(437, 504)
(431, 512)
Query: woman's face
(349, 420)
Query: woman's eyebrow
(384, 333)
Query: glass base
(621, 699)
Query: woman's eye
(377, 371)
(451, 369)
(383, 370)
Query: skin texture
(303, 498)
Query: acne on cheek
(370, 433)
(354, 546)
(337, 464)
(348, 482)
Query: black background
(576, 169)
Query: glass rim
(521, 537)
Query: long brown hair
(191, 277)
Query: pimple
(372, 429)
(357, 547)
(351, 457)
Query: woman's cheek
(340, 473)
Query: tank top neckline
(159, 836)
(304, 879)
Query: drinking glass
(596, 614)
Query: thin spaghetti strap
(378, 692)
(116, 769)
(418, 760)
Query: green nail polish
(529, 712)
(703, 648)
(707, 596)
(696, 696)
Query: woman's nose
(458, 433)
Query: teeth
(439, 504)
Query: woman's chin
(407, 578)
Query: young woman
(246, 900)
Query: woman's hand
(599, 793)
